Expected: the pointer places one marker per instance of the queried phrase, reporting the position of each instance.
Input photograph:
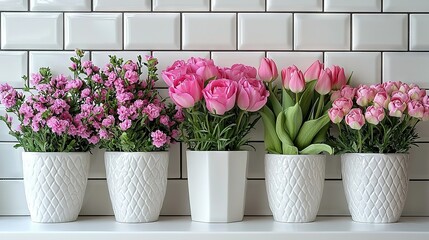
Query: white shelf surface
(182, 228)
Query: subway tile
(10, 161)
(419, 161)
(265, 31)
(294, 5)
(93, 31)
(380, 32)
(302, 60)
(353, 6)
(58, 62)
(366, 66)
(14, 203)
(13, 65)
(182, 5)
(257, 134)
(60, 5)
(405, 6)
(214, 31)
(227, 59)
(419, 35)
(238, 5)
(409, 67)
(13, 5)
(123, 5)
(152, 31)
(423, 131)
(322, 31)
(31, 30)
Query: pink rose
(252, 94)
(220, 95)
(268, 70)
(381, 99)
(174, 71)
(186, 90)
(323, 84)
(416, 93)
(336, 115)
(355, 119)
(348, 91)
(396, 108)
(364, 95)
(343, 104)
(338, 77)
(374, 115)
(416, 109)
(313, 72)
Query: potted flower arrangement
(136, 130)
(220, 108)
(376, 128)
(56, 131)
(296, 125)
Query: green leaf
(317, 148)
(307, 97)
(309, 130)
(287, 101)
(272, 142)
(289, 150)
(322, 135)
(293, 120)
(280, 130)
(277, 107)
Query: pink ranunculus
(344, 104)
(374, 115)
(416, 93)
(364, 95)
(381, 99)
(297, 82)
(186, 90)
(355, 119)
(159, 138)
(323, 84)
(238, 71)
(268, 70)
(220, 95)
(336, 115)
(348, 91)
(416, 109)
(396, 108)
(338, 77)
(252, 94)
(313, 72)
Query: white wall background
(378, 40)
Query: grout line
(266, 7)
(293, 32)
(236, 31)
(181, 31)
(408, 31)
(123, 30)
(351, 32)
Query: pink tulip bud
(268, 70)
(355, 119)
(297, 82)
(323, 85)
(381, 99)
(396, 108)
(286, 75)
(338, 77)
(313, 72)
(252, 94)
(220, 95)
(343, 104)
(364, 95)
(415, 93)
(336, 115)
(348, 91)
(374, 115)
(416, 109)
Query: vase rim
(218, 151)
(379, 154)
(296, 155)
(136, 152)
(57, 152)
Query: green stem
(359, 141)
(320, 106)
(339, 130)
(371, 129)
(237, 128)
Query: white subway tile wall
(377, 40)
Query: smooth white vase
(217, 185)
(137, 183)
(375, 185)
(55, 184)
(294, 186)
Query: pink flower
(87, 64)
(132, 76)
(175, 134)
(8, 99)
(396, 107)
(416, 93)
(425, 101)
(36, 78)
(96, 78)
(426, 114)
(85, 93)
(73, 66)
(355, 119)
(186, 90)
(94, 139)
(152, 111)
(205, 68)
(404, 88)
(159, 138)
(401, 96)
(139, 103)
(323, 84)
(364, 95)
(348, 91)
(335, 95)
(174, 71)
(286, 75)
(238, 71)
(416, 109)
(338, 77)
(252, 95)
(343, 104)
(178, 116)
(374, 115)
(220, 95)
(125, 125)
(57, 126)
(108, 121)
(268, 70)
(336, 115)
(381, 99)
(293, 79)
(104, 134)
(123, 113)
(313, 72)
(124, 97)
(165, 120)
(391, 86)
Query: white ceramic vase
(137, 183)
(217, 185)
(55, 184)
(294, 186)
(375, 185)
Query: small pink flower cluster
(221, 88)
(373, 103)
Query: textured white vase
(137, 183)
(294, 186)
(375, 185)
(55, 184)
(217, 185)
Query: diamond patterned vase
(294, 186)
(55, 184)
(137, 183)
(376, 186)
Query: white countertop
(182, 228)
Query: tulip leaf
(309, 130)
(289, 150)
(287, 100)
(307, 97)
(322, 135)
(280, 130)
(272, 142)
(293, 120)
(276, 106)
(316, 149)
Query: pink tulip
(348, 91)
(378, 88)
(381, 99)
(343, 104)
(355, 119)
(396, 108)
(186, 90)
(204, 68)
(374, 115)
(364, 95)
(286, 75)
(401, 96)
(252, 94)
(415, 93)
(416, 109)
(338, 77)
(238, 71)
(220, 95)
(335, 95)
(336, 115)
(425, 101)
(323, 84)
(391, 86)
(313, 72)
(174, 71)
(404, 88)
(268, 70)
(297, 82)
